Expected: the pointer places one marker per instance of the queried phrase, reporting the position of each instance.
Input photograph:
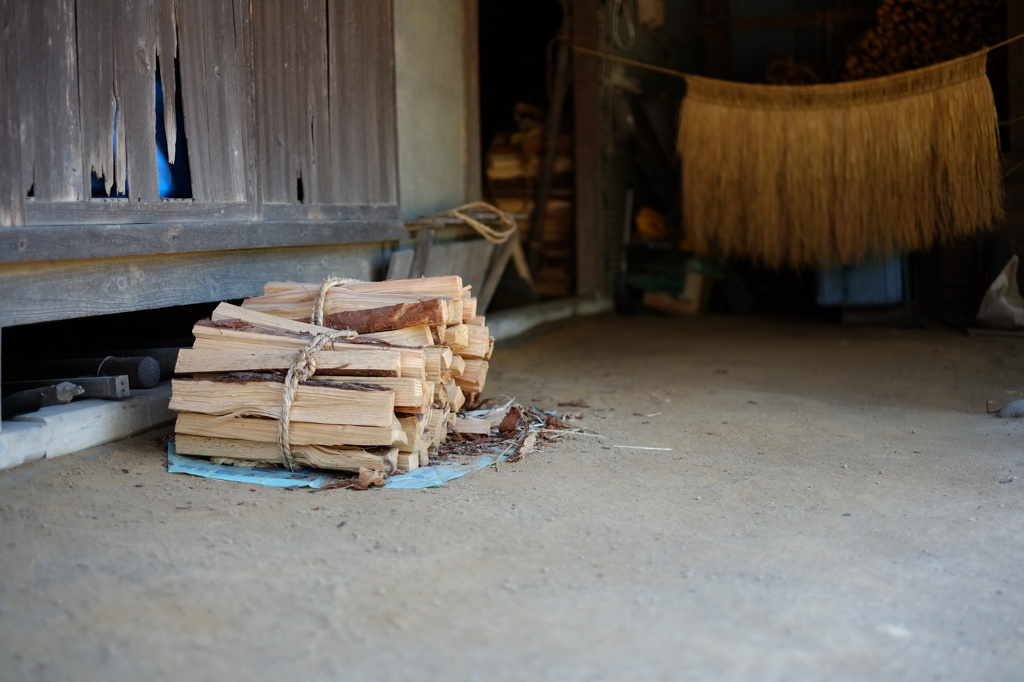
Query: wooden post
(471, 143)
(591, 275)
(1015, 75)
(422, 255)
(552, 129)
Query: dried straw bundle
(830, 174)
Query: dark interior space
(514, 38)
(35, 351)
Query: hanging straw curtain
(831, 174)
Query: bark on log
(388, 318)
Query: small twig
(572, 432)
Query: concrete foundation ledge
(508, 323)
(63, 429)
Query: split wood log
(314, 401)
(408, 461)
(458, 365)
(438, 360)
(456, 337)
(389, 318)
(469, 309)
(294, 300)
(474, 377)
(440, 285)
(300, 433)
(350, 363)
(411, 336)
(316, 456)
(470, 341)
(411, 395)
(412, 361)
(413, 426)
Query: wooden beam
(552, 131)
(41, 292)
(472, 159)
(76, 242)
(424, 242)
(121, 211)
(1015, 75)
(590, 238)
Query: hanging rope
(508, 223)
(682, 74)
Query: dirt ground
(835, 504)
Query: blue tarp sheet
(424, 477)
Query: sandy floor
(836, 504)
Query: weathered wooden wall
(290, 123)
(289, 112)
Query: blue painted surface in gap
(873, 282)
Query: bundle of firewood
(910, 34)
(394, 361)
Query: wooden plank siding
(363, 105)
(98, 105)
(214, 43)
(12, 191)
(47, 83)
(135, 89)
(274, 93)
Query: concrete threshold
(63, 429)
(508, 323)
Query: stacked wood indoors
(382, 399)
(910, 34)
(513, 169)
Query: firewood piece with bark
(388, 318)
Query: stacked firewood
(910, 34)
(401, 358)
